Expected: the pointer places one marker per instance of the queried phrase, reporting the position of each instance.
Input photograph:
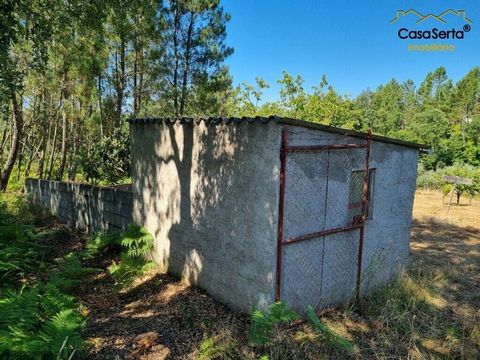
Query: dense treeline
(72, 71)
(438, 112)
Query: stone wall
(86, 207)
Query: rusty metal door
(322, 210)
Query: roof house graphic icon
(440, 18)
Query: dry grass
(429, 206)
(446, 245)
(430, 312)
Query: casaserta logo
(439, 18)
(432, 33)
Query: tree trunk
(120, 80)
(2, 142)
(17, 127)
(28, 165)
(43, 152)
(21, 150)
(52, 153)
(45, 136)
(176, 29)
(63, 156)
(186, 64)
(135, 73)
(31, 156)
(137, 79)
(140, 81)
(63, 153)
(72, 170)
(100, 102)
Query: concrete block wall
(387, 234)
(209, 195)
(86, 207)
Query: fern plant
(331, 338)
(99, 243)
(137, 244)
(39, 323)
(137, 241)
(70, 272)
(128, 269)
(20, 252)
(263, 323)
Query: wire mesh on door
(322, 209)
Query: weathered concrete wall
(209, 194)
(387, 235)
(85, 207)
(322, 271)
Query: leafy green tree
(464, 171)
(108, 160)
(387, 102)
(25, 28)
(292, 95)
(430, 126)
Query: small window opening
(355, 196)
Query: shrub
(465, 171)
(430, 180)
(433, 180)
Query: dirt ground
(446, 243)
(162, 318)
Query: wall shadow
(208, 194)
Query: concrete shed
(256, 210)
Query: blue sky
(351, 42)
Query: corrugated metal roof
(276, 119)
